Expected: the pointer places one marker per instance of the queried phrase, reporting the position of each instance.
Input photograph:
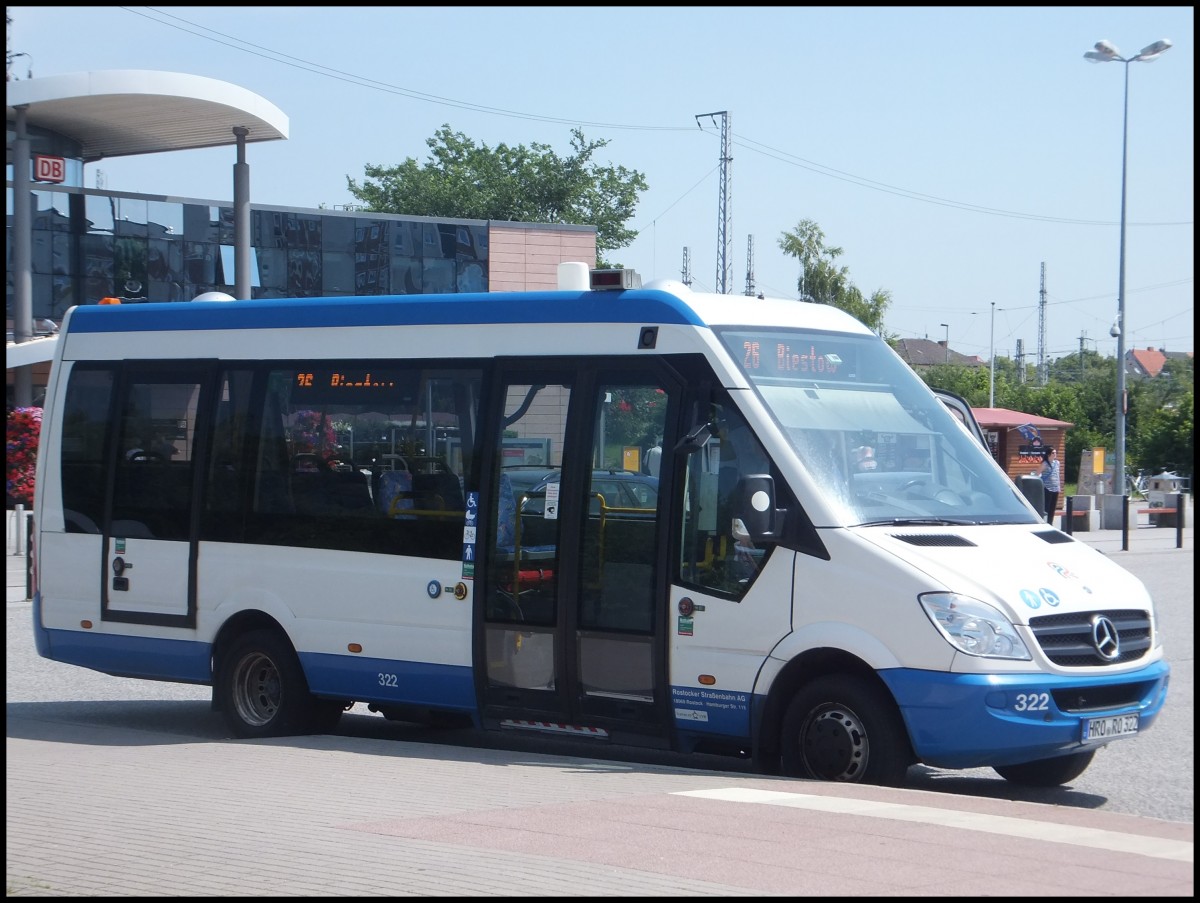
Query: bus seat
(438, 492)
(396, 493)
(527, 574)
(506, 520)
(272, 495)
(348, 490)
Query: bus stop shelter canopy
(117, 113)
(120, 113)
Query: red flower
(308, 435)
(24, 429)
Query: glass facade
(90, 244)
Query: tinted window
(84, 439)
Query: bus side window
(84, 439)
(225, 493)
(373, 461)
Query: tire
(844, 728)
(1047, 772)
(325, 715)
(263, 689)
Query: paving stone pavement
(108, 797)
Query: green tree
(531, 184)
(822, 281)
(1159, 425)
(969, 382)
(1163, 411)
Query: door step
(550, 727)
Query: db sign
(49, 169)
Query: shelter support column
(22, 256)
(241, 219)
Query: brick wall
(525, 257)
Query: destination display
(790, 356)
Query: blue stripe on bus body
(703, 710)
(450, 687)
(152, 658)
(189, 661)
(390, 310)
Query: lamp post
(1105, 52)
(947, 325)
(992, 361)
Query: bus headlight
(974, 627)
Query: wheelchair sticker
(1043, 596)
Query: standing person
(654, 457)
(1051, 481)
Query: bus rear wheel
(263, 689)
(843, 728)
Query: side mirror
(756, 504)
(695, 440)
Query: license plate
(1106, 728)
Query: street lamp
(992, 361)
(947, 325)
(1105, 52)
(991, 357)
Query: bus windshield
(878, 444)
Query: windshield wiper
(919, 522)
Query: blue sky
(949, 152)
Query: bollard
(29, 557)
(19, 530)
(1069, 516)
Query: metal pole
(241, 219)
(27, 518)
(22, 256)
(1119, 462)
(1124, 523)
(992, 362)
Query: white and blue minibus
(443, 507)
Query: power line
(295, 62)
(749, 144)
(832, 173)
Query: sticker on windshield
(552, 501)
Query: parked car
(524, 477)
(619, 489)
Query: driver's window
(717, 553)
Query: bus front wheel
(263, 690)
(843, 728)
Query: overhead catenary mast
(750, 266)
(1043, 366)
(723, 203)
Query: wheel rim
(833, 744)
(257, 689)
